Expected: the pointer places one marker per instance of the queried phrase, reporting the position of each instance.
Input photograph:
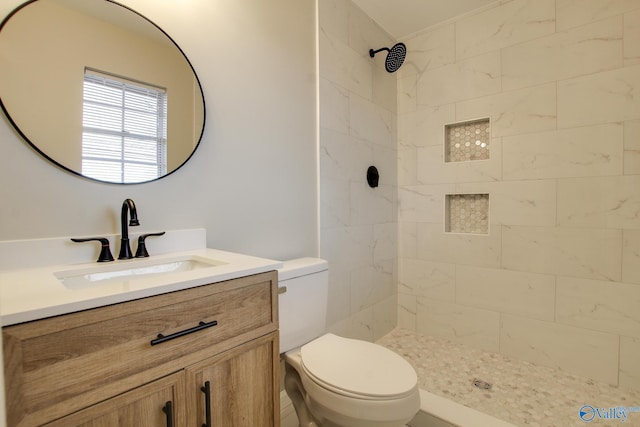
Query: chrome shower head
(395, 56)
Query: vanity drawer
(59, 365)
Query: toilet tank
(303, 286)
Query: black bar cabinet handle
(168, 409)
(202, 325)
(207, 403)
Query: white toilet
(334, 381)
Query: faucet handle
(105, 252)
(141, 252)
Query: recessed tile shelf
(467, 141)
(467, 213)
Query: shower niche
(467, 141)
(466, 213)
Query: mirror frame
(74, 172)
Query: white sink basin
(130, 270)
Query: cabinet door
(157, 404)
(238, 388)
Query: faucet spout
(128, 210)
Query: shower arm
(372, 52)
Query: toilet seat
(359, 369)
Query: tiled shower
(358, 224)
(554, 278)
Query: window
(124, 129)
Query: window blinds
(124, 129)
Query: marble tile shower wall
(557, 279)
(358, 224)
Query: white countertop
(30, 290)
(36, 293)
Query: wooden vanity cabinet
(145, 362)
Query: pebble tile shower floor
(522, 393)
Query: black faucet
(130, 207)
(142, 252)
(105, 252)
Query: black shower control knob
(373, 176)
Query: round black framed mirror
(99, 90)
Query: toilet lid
(357, 367)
